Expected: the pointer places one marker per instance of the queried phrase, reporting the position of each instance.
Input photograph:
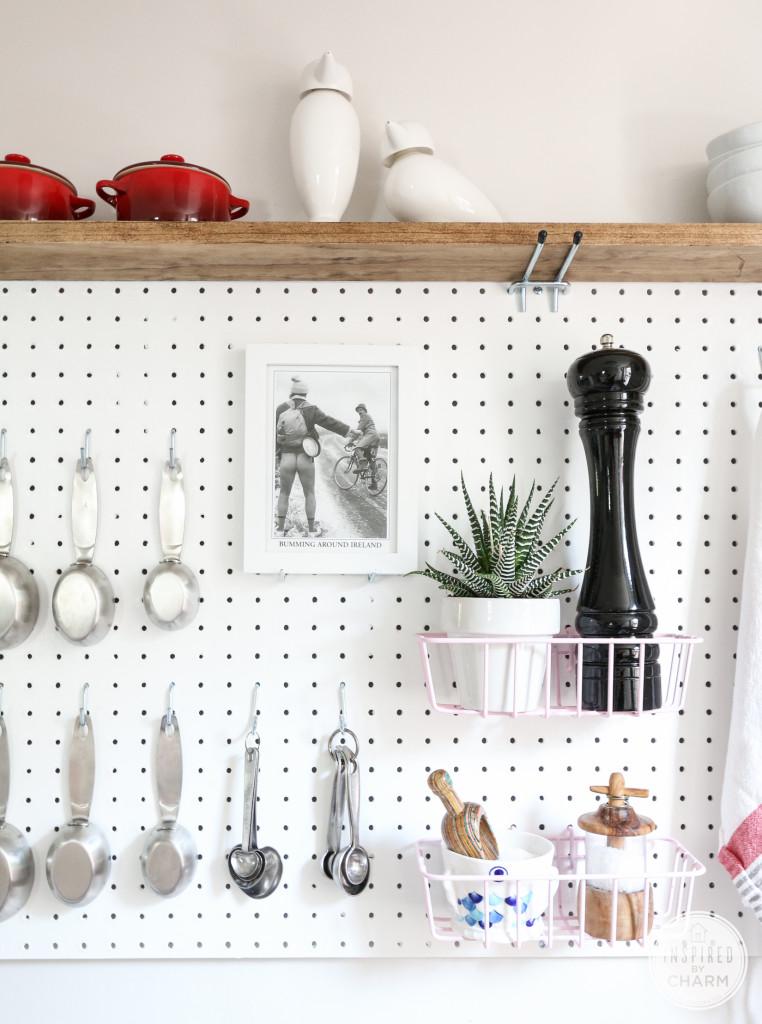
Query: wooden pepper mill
(614, 847)
(465, 829)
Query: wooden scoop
(465, 829)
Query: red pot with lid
(30, 192)
(170, 189)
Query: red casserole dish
(30, 192)
(170, 189)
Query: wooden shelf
(246, 251)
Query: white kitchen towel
(741, 814)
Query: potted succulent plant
(498, 587)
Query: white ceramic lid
(400, 136)
(326, 73)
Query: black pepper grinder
(608, 387)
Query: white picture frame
(358, 526)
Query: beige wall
(561, 110)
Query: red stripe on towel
(744, 846)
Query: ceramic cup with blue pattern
(509, 895)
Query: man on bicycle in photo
(366, 442)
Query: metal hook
(2, 694)
(372, 577)
(759, 355)
(342, 708)
(84, 452)
(521, 286)
(170, 705)
(561, 285)
(252, 736)
(3, 444)
(84, 710)
(172, 460)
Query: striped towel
(741, 814)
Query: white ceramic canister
(325, 140)
(515, 673)
(421, 187)
(511, 893)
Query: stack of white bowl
(734, 177)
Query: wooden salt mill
(614, 846)
(465, 829)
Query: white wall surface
(561, 110)
(581, 110)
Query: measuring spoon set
(78, 861)
(83, 598)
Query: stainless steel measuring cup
(171, 593)
(79, 861)
(19, 594)
(256, 871)
(169, 855)
(16, 859)
(83, 599)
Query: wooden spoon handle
(441, 784)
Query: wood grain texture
(299, 251)
(599, 907)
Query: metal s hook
(84, 709)
(172, 459)
(84, 454)
(759, 356)
(170, 716)
(252, 736)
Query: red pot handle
(82, 208)
(238, 207)
(101, 187)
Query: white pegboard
(132, 360)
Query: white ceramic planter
(325, 140)
(516, 672)
(421, 187)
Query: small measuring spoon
(336, 813)
(169, 855)
(351, 865)
(256, 872)
(171, 593)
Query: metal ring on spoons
(19, 594)
(171, 592)
(83, 599)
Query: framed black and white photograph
(329, 481)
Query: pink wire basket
(542, 676)
(667, 883)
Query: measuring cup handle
(250, 779)
(6, 507)
(84, 512)
(5, 771)
(169, 769)
(172, 511)
(82, 769)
